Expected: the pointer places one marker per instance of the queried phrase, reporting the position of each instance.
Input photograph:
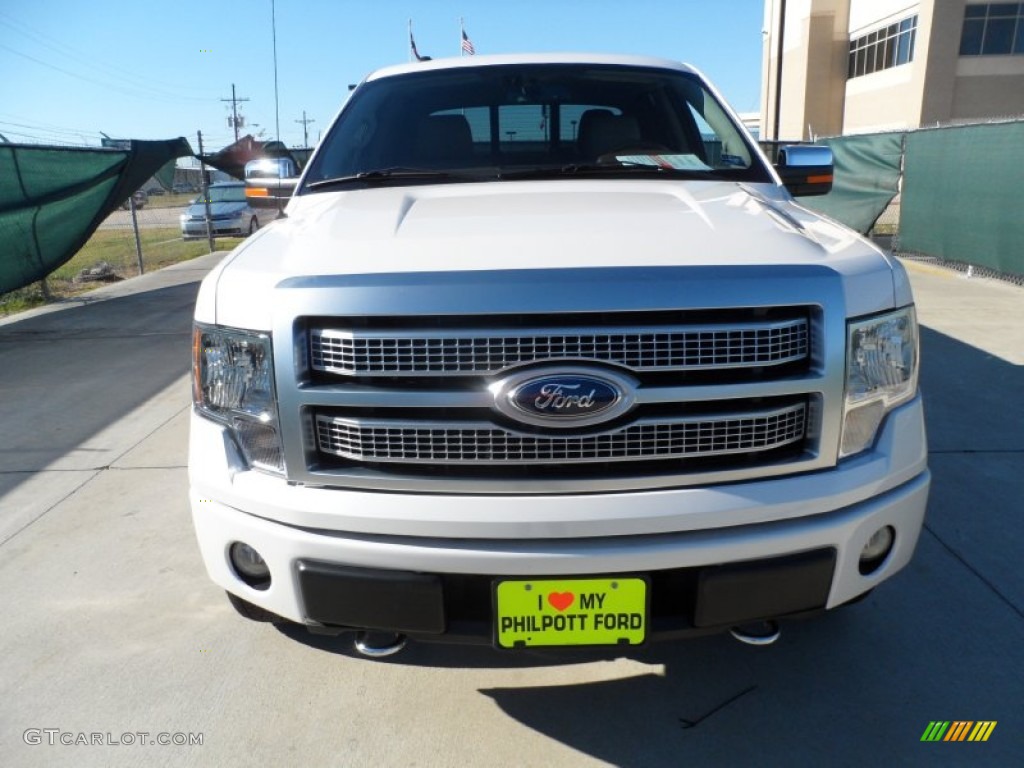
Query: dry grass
(116, 247)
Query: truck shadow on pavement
(972, 397)
(82, 369)
(857, 686)
(841, 689)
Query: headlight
(881, 373)
(233, 383)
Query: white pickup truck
(544, 353)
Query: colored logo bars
(959, 730)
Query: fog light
(877, 549)
(249, 565)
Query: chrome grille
(377, 440)
(482, 352)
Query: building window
(993, 29)
(884, 48)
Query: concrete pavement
(112, 628)
(85, 356)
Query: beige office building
(858, 66)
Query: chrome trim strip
(361, 396)
(364, 479)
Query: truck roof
(529, 58)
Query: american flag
(467, 45)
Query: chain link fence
(957, 194)
(960, 204)
(888, 222)
(143, 235)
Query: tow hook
(757, 632)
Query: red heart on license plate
(561, 600)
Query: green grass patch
(116, 247)
(170, 201)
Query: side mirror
(806, 170)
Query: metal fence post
(135, 229)
(206, 191)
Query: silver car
(230, 213)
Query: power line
(52, 129)
(128, 90)
(46, 140)
(90, 60)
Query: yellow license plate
(559, 612)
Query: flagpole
(465, 44)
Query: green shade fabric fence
(961, 198)
(52, 199)
(958, 201)
(866, 179)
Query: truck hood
(562, 224)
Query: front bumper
(193, 230)
(781, 563)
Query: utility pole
(277, 108)
(305, 130)
(780, 42)
(234, 109)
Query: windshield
(234, 193)
(518, 121)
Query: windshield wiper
(385, 175)
(626, 167)
(622, 167)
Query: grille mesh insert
(371, 440)
(399, 353)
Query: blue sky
(147, 70)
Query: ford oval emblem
(569, 398)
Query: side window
(712, 144)
(722, 146)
